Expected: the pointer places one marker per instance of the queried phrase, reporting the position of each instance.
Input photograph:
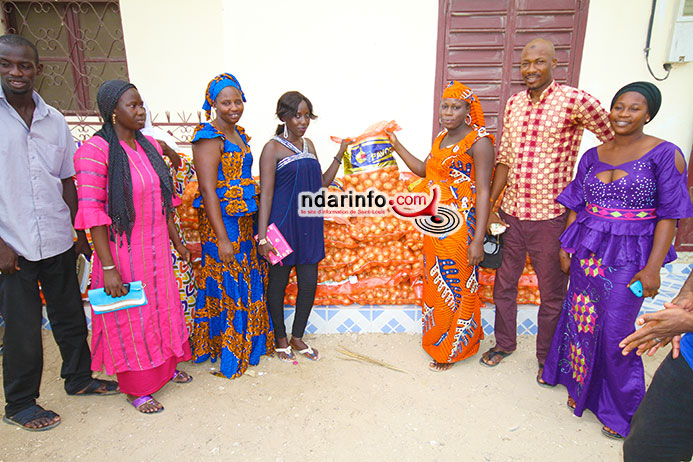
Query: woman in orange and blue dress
(230, 321)
(460, 165)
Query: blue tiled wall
(407, 318)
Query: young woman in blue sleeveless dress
(288, 167)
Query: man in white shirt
(38, 202)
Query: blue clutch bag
(101, 302)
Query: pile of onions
(368, 260)
(338, 258)
(386, 180)
(382, 254)
(380, 229)
(414, 242)
(337, 235)
(528, 295)
(527, 288)
(400, 294)
(188, 214)
(321, 300)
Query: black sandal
(491, 354)
(31, 414)
(99, 387)
(611, 434)
(542, 382)
(571, 406)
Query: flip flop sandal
(30, 414)
(94, 387)
(287, 351)
(137, 402)
(539, 379)
(309, 353)
(572, 408)
(178, 373)
(492, 353)
(608, 434)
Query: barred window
(80, 45)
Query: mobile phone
(636, 288)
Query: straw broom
(367, 359)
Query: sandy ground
(332, 410)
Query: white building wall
(359, 62)
(364, 61)
(613, 56)
(172, 47)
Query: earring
(468, 119)
(286, 132)
(113, 119)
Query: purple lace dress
(610, 240)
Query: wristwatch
(263, 241)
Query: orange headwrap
(458, 90)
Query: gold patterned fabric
(231, 321)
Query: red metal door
(479, 44)
(684, 235)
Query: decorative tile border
(407, 318)
(673, 276)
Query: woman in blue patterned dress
(230, 320)
(289, 166)
(624, 204)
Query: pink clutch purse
(279, 243)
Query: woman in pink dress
(126, 199)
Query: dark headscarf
(121, 208)
(650, 91)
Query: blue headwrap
(217, 84)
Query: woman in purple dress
(289, 166)
(624, 205)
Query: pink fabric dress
(142, 345)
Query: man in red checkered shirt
(542, 130)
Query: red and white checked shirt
(540, 144)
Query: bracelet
(262, 241)
(108, 268)
(339, 160)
